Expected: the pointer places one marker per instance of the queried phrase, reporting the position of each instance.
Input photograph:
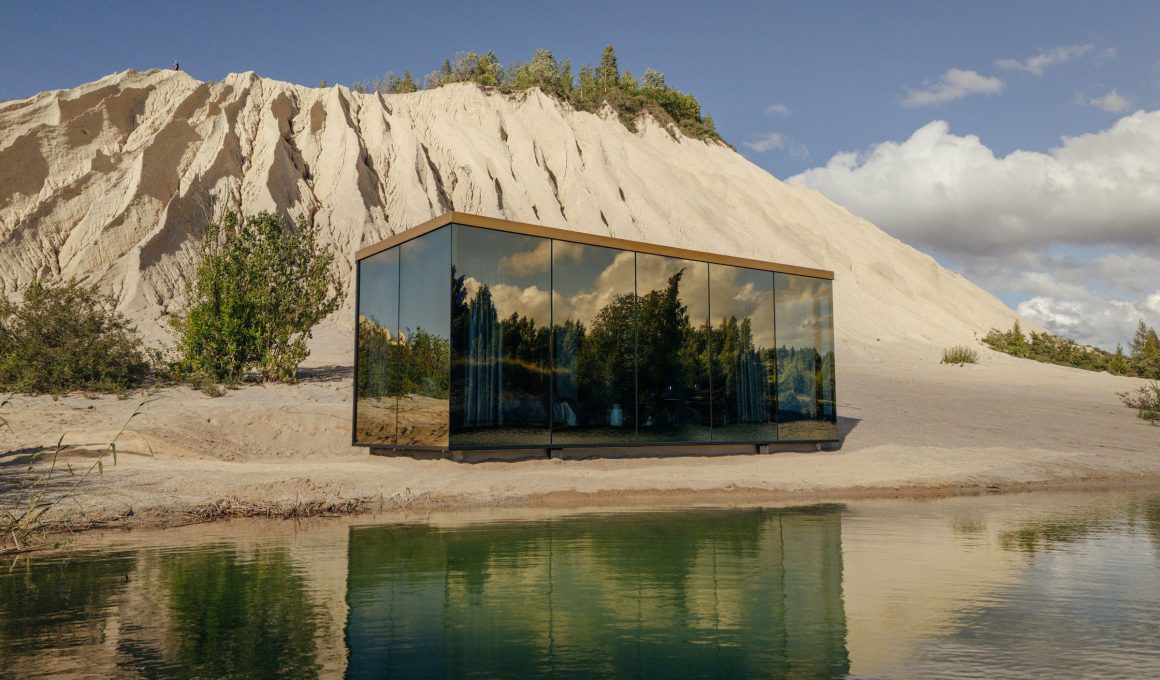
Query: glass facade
(593, 344)
(805, 359)
(376, 401)
(744, 363)
(470, 337)
(424, 340)
(672, 344)
(501, 354)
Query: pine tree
(407, 84)
(607, 74)
(1145, 352)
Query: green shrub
(1146, 401)
(65, 338)
(960, 354)
(261, 287)
(1144, 361)
(596, 86)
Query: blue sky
(792, 85)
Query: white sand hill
(111, 182)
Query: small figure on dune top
(176, 66)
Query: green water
(1030, 585)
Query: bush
(261, 287)
(1144, 361)
(960, 354)
(1146, 401)
(60, 339)
(596, 86)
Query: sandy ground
(284, 450)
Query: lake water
(1037, 584)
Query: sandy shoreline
(930, 430)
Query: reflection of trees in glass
(416, 364)
(375, 347)
(674, 358)
(502, 364)
(805, 358)
(604, 361)
(240, 618)
(803, 374)
(740, 375)
(640, 361)
(424, 364)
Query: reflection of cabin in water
(707, 593)
(481, 334)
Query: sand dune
(112, 182)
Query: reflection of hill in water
(721, 592)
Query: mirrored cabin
(479, 333)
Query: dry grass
(43, 483)
(960, 354)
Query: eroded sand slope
(112, 181)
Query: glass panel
(594, 324)
(672, 349)
(805, 359)
(500, 318)
(741, 302)
(424, 339)
(378, 329)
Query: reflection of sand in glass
(720, 593)
(594, 327)
(741, 304)
(424, 342)
(672, 349)
(500, 316)
(378, 319)
(805, 358)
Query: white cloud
(768, 141)
(1089, 319)
(778, 110)
(1075, 228)
(773, 141)
(954, 84)
(1057, 55)
(951, 192)
(1112, 102)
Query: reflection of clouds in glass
(535, 261)
(743, 293)
(797, 324)
(565, 251)
(653, 273)
(527, 262)
(531, 301)
(583, 305)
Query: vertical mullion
(709, 339)
(354, 412)
(551, 340)
(774, 387)
(398, 334)
(636, 346)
